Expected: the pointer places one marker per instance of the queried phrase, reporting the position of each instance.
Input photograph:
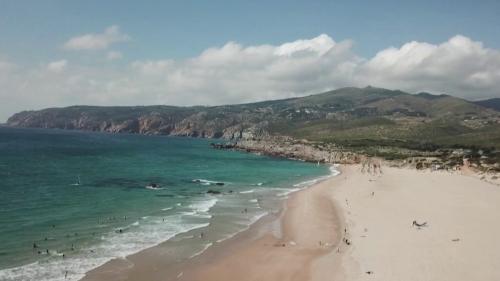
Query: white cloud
(97, 41)
(319, 45)
(57, 66)
(234, 73)
(459, 67)
(114, 55)
(6, 66)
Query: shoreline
(351, 227)
(269, 229)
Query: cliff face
(348, 117)
(179, 122)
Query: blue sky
(33, 30)
(61, 53)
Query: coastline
(351, 227)
(113, 227)
(267, 234)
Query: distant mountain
(490, 103)
(347, 116)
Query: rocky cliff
(158, 120)
(298, 150)
(347, 117)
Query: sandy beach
(460, 241)
(356, 226)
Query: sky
(60, 53)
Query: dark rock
(210, 191)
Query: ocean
(70, 200)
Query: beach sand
(461, 241)
(356, 226)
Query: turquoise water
(84, 195)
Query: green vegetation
(370, 119)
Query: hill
(350, 117)
(490, 103)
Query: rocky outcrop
(290, 148)
(370, 121)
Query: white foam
(112, 245)
(287, 191)
(333, 172)
(201, 252)
(154, 188)
(204, 205)
(301, 185)
(247, 191)
(138, 236)
(168, 208)
(206, 182)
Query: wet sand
(280, 246)
(356, 226)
